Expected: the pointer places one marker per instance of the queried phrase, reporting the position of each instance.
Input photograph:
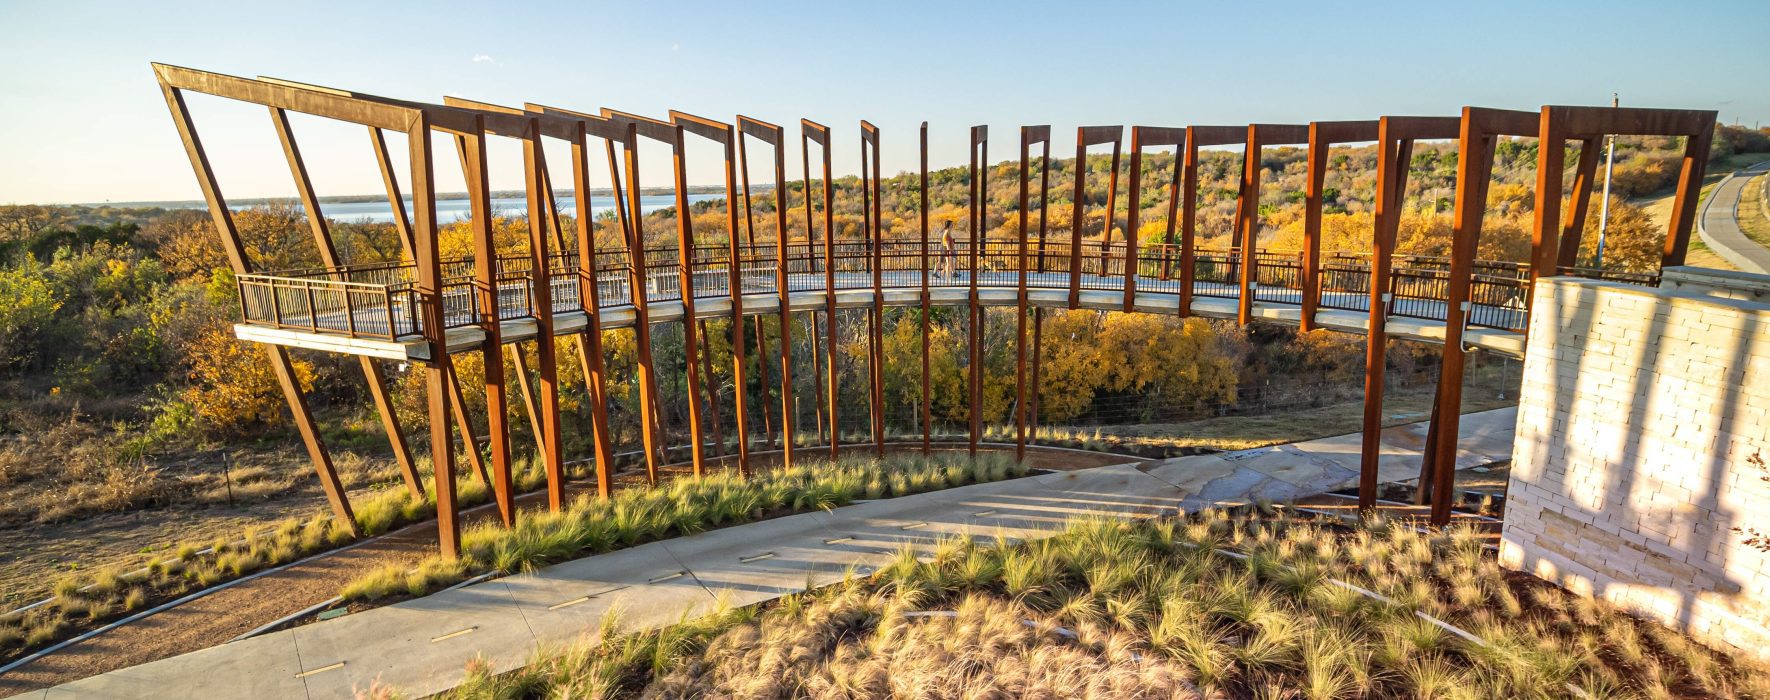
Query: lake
(448, 210)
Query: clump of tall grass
(686, 506)
(1110, 609)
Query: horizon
(90, 127)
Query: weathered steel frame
(775, 137)
(1588, 125)
(672, 136)
(1197, 137)
(417, 122)
(1246, 237)
(1395, 138)
(1322, 137)
(1088, 136)
(1144, 137)
(726, 136)
(1481, 130)
(925, 298)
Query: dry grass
(1153, 610)
(684, 506)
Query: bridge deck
(395, 331)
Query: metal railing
(382, 301)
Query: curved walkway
(420, 647)
(1719, 223)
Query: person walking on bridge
(947, 249)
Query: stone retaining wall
(1639, 471)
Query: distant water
(448, 210)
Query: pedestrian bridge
(374, 311)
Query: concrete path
(1719, 223)
(420, 646)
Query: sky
(82, 119)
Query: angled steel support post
(403, 226)
(810, 132)
(172, 82)
(540, 201)
(1395, 138)
(650, 426)
(754, 256)
(1029, 135)
(1580, 200)
(1481, 131)
(873, 223)
(486, 268)
(322, 236)
(924, 298)
(979, 211)
(430, 295)
(775, 137)
(727, 137)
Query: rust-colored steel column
(1314, 179)
(727, 137)
(685, 268)
(403, 226)
(1188, 218)
(927, 394)
(590, 298)
(775, 137)
(1551, 163)
(322, 237)
(541, 284)
(235, 251)
(810, 131)
(712, 393)
(1393, 155)
(646, 370)
(873, 223)
(1322, 137)
(979, 211)
(1690, 172)
(1474, 166)
(1245, 239)
(1029, 135)
(1395, 138)
(430, 296)
(487, 269)
(1580, 200)
(521, 361)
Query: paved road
(1720, 223)
(421, 646)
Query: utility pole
(1604, 207)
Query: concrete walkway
(1719, 223)
(420, 647)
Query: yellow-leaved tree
(233, 388)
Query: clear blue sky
(83, 120)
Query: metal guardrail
(381, 301)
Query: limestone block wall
(1639, 470)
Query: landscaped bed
(1255, 605)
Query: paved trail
(420, 646)
(1720, 223)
